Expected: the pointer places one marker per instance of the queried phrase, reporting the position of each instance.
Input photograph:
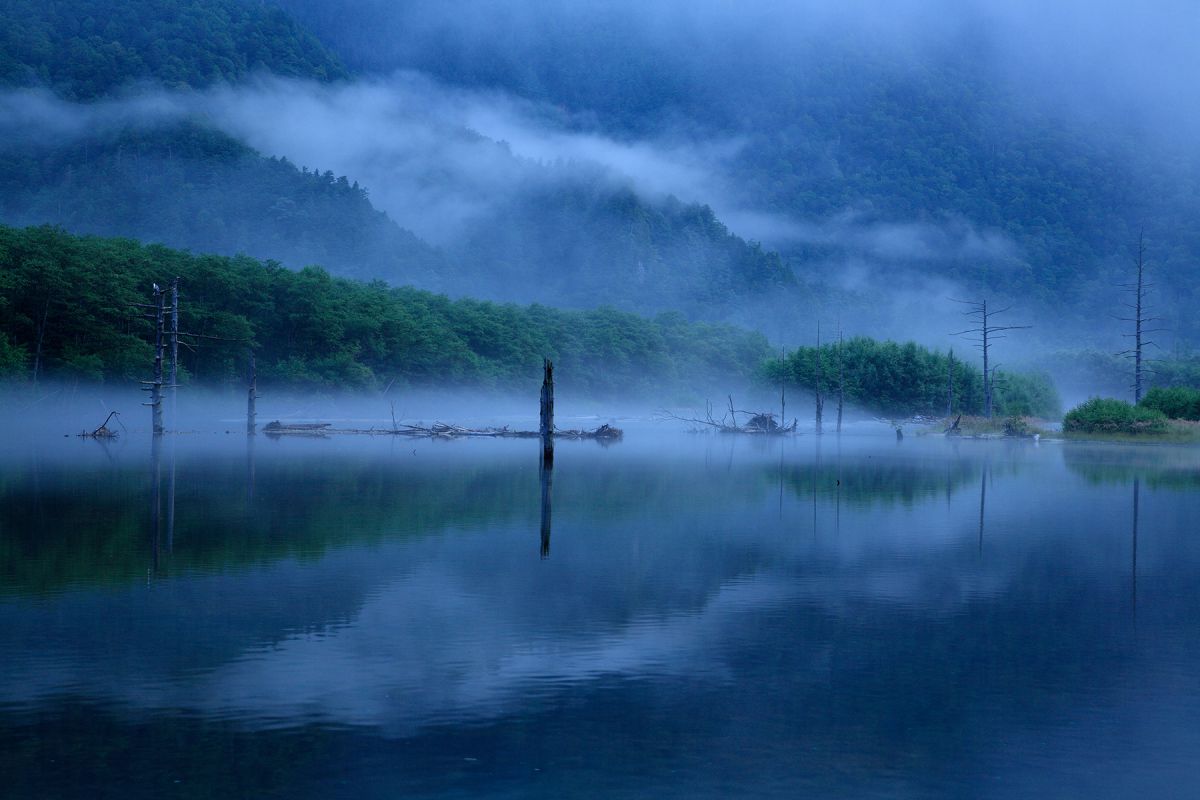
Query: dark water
(697, 617)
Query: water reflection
(546, 478)
(683, 632)
(1133, 560)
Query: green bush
(1105, 415)
(1177, 402)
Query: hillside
(563, 236)
(193, 187)
(904, 141)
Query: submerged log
(103, 432)
(760, 422)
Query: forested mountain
(901, 137)
(198, 188)
(562, 236)
(882, 169)
(84, 49)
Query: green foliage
(1026, 394)
(905, 379)
(1176, 402)
(13, 358)
(1106, 415)
(86, 48)
(314, 330)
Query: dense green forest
(84, 49)
(67, 309)
(904, 379)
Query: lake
(691, 616)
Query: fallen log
(277, 428)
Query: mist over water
(354, 613)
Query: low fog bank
(53, 412)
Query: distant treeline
(68, 309)
(903, 379)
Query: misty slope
(184, 184)
(900, 141)
(196, 188)
(562, 236)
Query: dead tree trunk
(174, 377)
(983, 334)
(41, 335)
(950, 384)
(782, 386)
(820, 401)
(252, 397)
(1139, 287)
(841, 381)
(155, 386)
(546, 416)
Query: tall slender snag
(983, 334)
(841, 380)
(950, 384)
(41, 334)
(820, 402)
(174, 378)
(782, 387)
(252, 397)
(1139, 288)
(155, 386)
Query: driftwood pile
(438, 430)
(759, 422)
(103, 432)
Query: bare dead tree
(173, 380)
(950, 384)
(252, 397)
(1139, 289)
(157, 314)
(841, 380)
(820, 400)
(782, 385)
(41, 335)
(984, 333)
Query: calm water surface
(692, 616)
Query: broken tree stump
(546, 416)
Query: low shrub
(1106, 415)
(1177, 402)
